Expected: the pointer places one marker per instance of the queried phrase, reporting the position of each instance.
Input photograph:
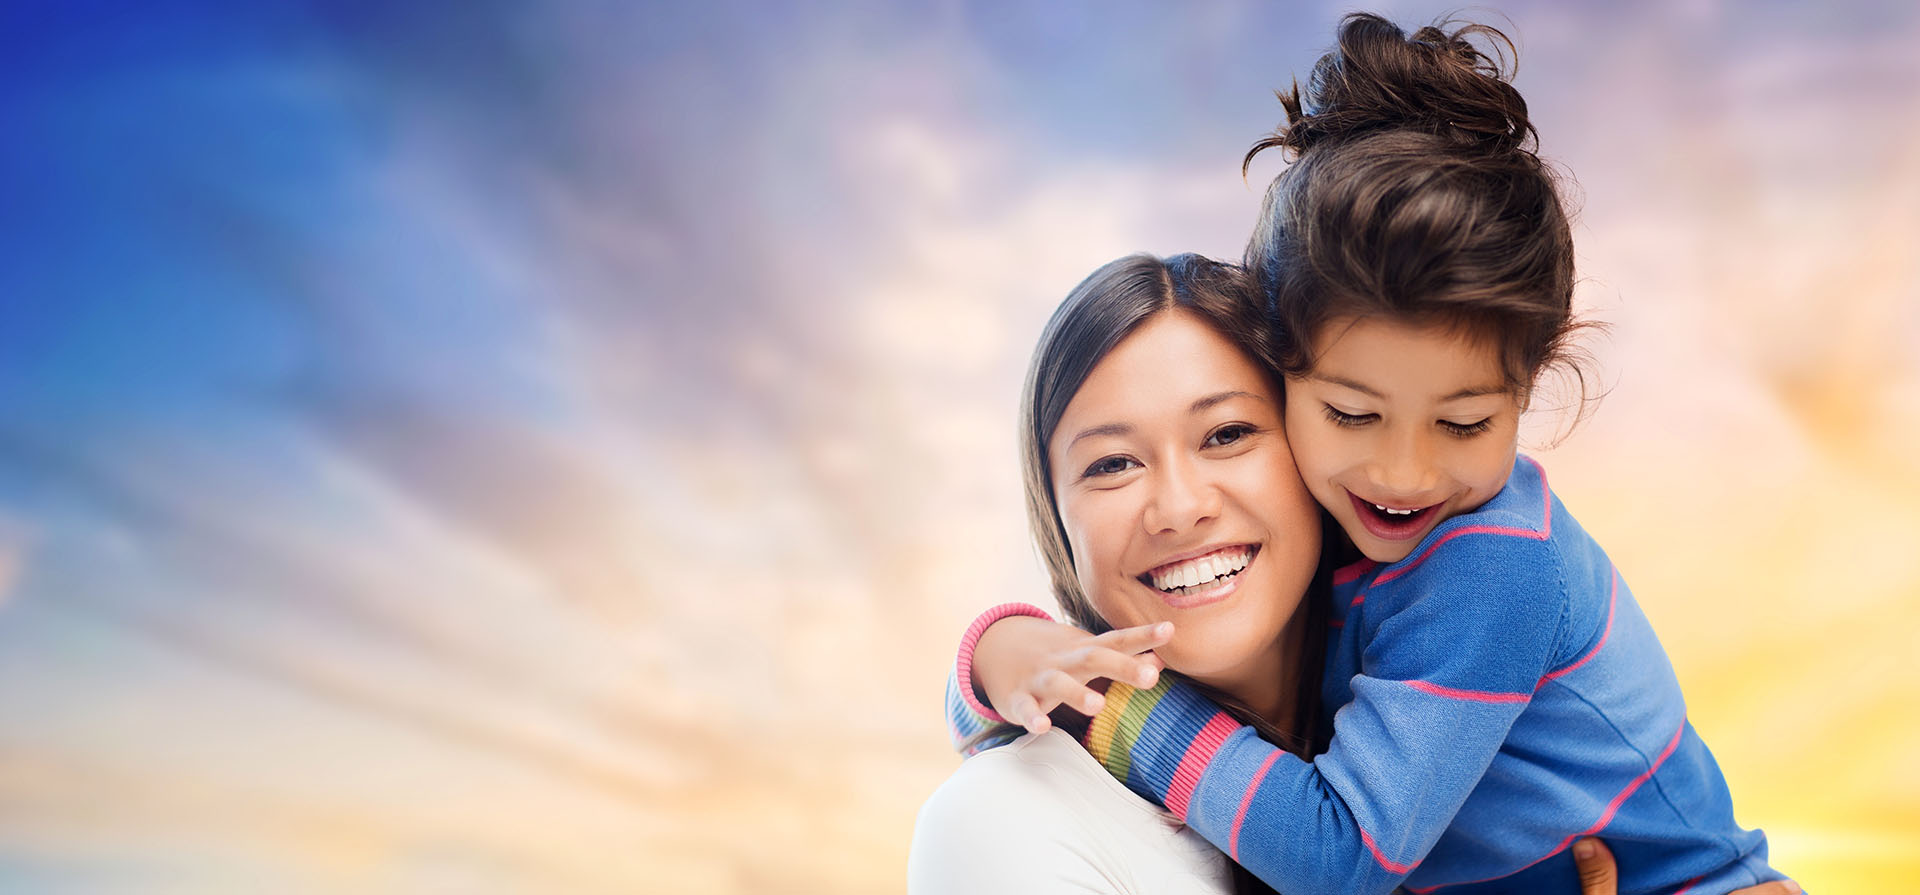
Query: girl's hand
(1026, 666)
(1599, 876)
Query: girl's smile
(1393, 523)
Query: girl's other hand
(1027, 666)
(1599, 876)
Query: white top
(1040, 815)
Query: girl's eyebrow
(1469, 392)
(1475, 392)
(1347, 383)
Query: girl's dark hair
(1416, 194)
(1096, 316)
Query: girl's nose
(1404, 468)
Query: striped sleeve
(1440, 685)
(967, 713)
(963, 723)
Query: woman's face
(1181, 502)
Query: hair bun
(1379, 78)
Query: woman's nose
(1181, 498)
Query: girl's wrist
(963, 662)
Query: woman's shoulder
(1042, 809)
(1049, 776)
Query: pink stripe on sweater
(1606, 817)
(1683, 890)
(1468, 695)
(1613, 807)
(1240, 817)
(1390, 866)
(1613, 600)
(1351, 572)
(1187, 775)
(1546, 530)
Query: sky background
(555, 448)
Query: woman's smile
(1180, 501)
(1198, 580)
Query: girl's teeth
(1393, 512)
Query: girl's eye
(1350, 420)
(1466, 430)
(1229, 434)
(1110, 466)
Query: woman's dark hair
(1416, 194)
(1096, 316)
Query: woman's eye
(1110, 466)
(1465, 430)
(1226, 435)
(1349, 420)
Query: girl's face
(1398, 428)
(1181, 502)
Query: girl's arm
(1015, 656)
(1442, 680)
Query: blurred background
(503, 447)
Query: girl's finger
(1024, 710)
(1099, 662)
(1137, 639)
(1060, 688)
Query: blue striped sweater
(1499, 694)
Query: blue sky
(402, 403)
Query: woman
(1150, 434)
(1151, 439)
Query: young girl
(1500, 693)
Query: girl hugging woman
(1459, 686)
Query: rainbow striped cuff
(1159, 741)
(963, 723)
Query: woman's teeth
(1179, 576)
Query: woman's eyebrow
(1122, 429)
(1217, 398)
(1115, 429)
